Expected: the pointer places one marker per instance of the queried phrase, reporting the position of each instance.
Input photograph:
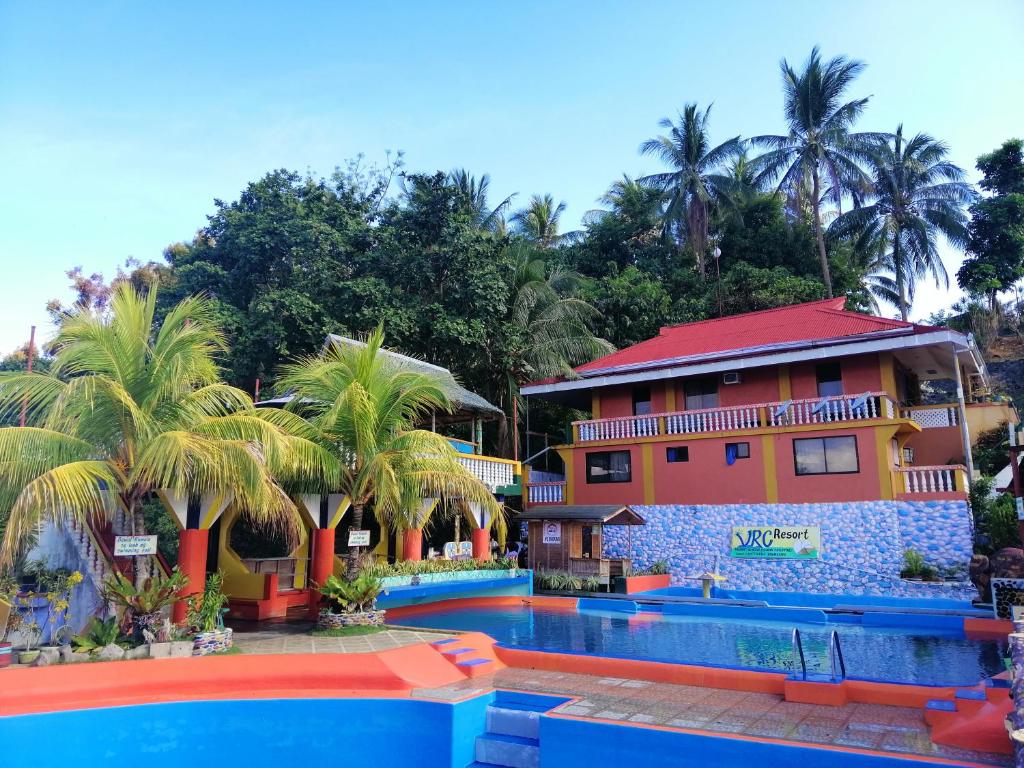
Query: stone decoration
(330, 620)
(1006, 593)
(862, 545)
(217, 641)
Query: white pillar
(965, 432)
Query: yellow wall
(981, 417)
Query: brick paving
(297, 637)
(865, 726)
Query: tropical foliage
(150, 597)
(357, 594)
(98, 633)
(205, 610)
(438, 565)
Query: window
(826, 455)
(737, 451)
(608, 467)
(830, 379)
(641, 401)
(701, 393)
(677, 454)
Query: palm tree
(917, 196)
(475, 193)
(366, 405)
(819, 150)
(127, 409)
(696, 182)
(538, 222)
(631, 201)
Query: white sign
(462, 549)
(134, 546)
(552, 532)
(359, 538)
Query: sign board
(462, 549)
(359, 538)
(134, 546)
(776, 542)
(552, 532)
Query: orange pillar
(412, 544)
(322, 565)
(192, 546)
(482, 544)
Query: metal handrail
(835, 653)
(798, 653)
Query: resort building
(803, 415)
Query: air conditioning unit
(732, 377)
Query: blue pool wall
(812, 600)
(862, 545)
(378, 732)
(395, 597)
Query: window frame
(738, 455)
(818, 380)
(686, 454)
(606, 479)
(705, 382)
(643, 389)
(823, 440)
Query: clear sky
(120, 122)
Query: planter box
(451, 576)
(5, 655)
(629, 585)
(181, 649)
(330, 620)
(217, 641)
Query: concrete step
(451, 653)
(508, 751)
(513, 722)
(475, 667)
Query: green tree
(366, 406)
(474, 192)
(819, 148)
(129, 408)
(697, 181)
(917, 195)
(995, 243)
(539, 221)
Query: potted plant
(56, 587)
(31, 633)
(206, 618)
(144, 603)
(350, 602)
(98, 634)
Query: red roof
(810, 322)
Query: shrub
(914, 566)
(418, 567)
(591, 584)
(205, 611)
(657, 568)
(98, 634)
(356, 595)
(152, 596)
(557, 581)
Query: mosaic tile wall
(862, 545)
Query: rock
(159, 650)
(980, 571)
(138, 652)
(110, 652)
(1007, 563)
(47, 657)
(181, 648)
(77, 657)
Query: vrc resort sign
(776, 542)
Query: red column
(482, 544)
(192, 562)
(322, 565)
(412, 544)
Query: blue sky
(120, 122)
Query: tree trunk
(826, 274)
(697, 223)
(355, 552)
(901, 282)
(142, 566)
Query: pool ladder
(837, 664)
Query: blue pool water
(925, 656)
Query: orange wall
(706, 478)
(757, 385)
(861, 373)
(607, 493)
(937, 445)
(805, 489)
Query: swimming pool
(925, 655)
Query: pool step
(972, 719)
(513, 722)
(508, 751)
(471, 653)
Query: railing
(827, 410)
(546, 493)
(933, 479)
(286, 568)
(601, 568)
(493, 473)
(929, 417)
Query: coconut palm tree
(366, 404)
(127, 409)
(538, 222)
(628, 200)
(696, 182)
(918, 195)
(475, 193)
(819, 149)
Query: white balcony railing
(928, 418)
(933, 479)
(546, 493)
(492, 473)
(869, 405)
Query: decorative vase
(329, 620)
(215, 641)
(5, 655)
(28, 657)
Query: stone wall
(862, 545)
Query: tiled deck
(296, 637)
(865, 726)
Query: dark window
(677, 454)
(830, 379)
(701, 393)
(738, 450)
(641, 401)
(588, 541)
(826, 456)
(608, 467)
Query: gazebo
(568, 538)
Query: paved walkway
(297, 637)
(867, 726)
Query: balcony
(829, 410)
(940, 481)
(492, 472)
(546, 493)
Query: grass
(234, 650)
(348, 631)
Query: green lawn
(348, 631)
